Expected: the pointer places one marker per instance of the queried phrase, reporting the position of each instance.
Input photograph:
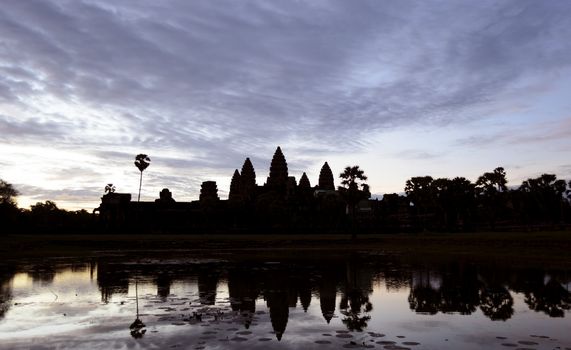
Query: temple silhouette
(281, 203)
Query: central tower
(278, 170)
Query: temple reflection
(207, 283)
(278, 302)
(327, 288)
(112, 279)
(338, 291)
(243, 291)
(163, 281)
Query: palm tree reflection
(355, 304)
(137, 327)
(550, 298)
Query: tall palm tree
(353, 177)
(142, 161)
(491, 192)
(109, 188)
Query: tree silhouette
(544, 197)
(355, 306)
(142, 161)
(419, 190)
(7, 193)
(550, 298)
(494, 182)
(496, 303)
(8, 209)
(424, 300)
(491, 190)
(454, 200)
(109, 188)
(353, 178)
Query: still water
(294, 301)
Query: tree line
(41, 217)
(427, 204)
(458, 203)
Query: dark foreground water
(292, 301)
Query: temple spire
(235, 187)
(304, 182)
(326, 178)
(248, 180)
(278, 170)
(208, 191)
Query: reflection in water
(111, 279)
(137, 327)
(243, 292)
(327, 287)
(163, 281)
(544, 292)
(550, 298)
(496, 301)
(355, 304)
(43, 274)
(461, 289)
(207, 283)
(278, 295)
(6, 274)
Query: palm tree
(420, 192)
(109, 188)
(353, 177)
(491, 191)
(142, 161)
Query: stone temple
(279, 203)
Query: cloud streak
(204, 84)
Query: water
(292, 301)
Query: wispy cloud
(204, 84)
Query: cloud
(12, 130)
(218, 70)
(416, 154)
(69, 198)
(537, 132)
(201, 85)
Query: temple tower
(278, 170)
(235, 187)
(248, 180)
(165, 197)
(326, 178)
(209, 191)
(304, 182)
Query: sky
(400, 88)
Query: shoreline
(531, 247)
